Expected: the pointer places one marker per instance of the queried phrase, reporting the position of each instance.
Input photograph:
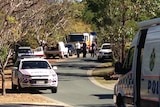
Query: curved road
(75, 88)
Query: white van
(60, 50)
(139, 83)
(63, 49)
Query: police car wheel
(54, 90)
(120, 102)
(19, 86)
(14, 87)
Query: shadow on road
(104, 96)
(25, 90)
(97, 105)
(28, 105)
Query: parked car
(39, 52)
(59, 50)
(71, 49)
(24, 52)
(105, 52)
(34, 73)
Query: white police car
(105, 52)
(24, 52)
(34, 73)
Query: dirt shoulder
(104, 76)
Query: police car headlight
(109, 52)
(101, 53)
(25, 76)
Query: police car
(34, 73)
(24, 51)
(105, 52)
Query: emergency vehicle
(89, 38)
(35, 73)
(139, 83)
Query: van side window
(129, 60)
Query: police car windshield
(24, 51)
(106, 47)
(35, 65)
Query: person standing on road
(84, 49)
(93, 49)
(78, 48)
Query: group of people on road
(84, 49)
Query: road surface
(75, 88)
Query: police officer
(78, 48)
(84, 49)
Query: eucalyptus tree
(8, 25)
(116, 20)
(96, 14)
(75, 23)
(54, 20)
(14, 22)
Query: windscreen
(35, 65)
(75, 38)
(24, 51)
(106, 47)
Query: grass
(103, 71)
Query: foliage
(116, 21)
(3, 53)
(14, 24)
(75, 23)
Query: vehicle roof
(149, 23)
(106, 44)
(24, 47)
(76, 34)
(33, 59)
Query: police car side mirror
(15, 68)
(118, 68)
(55, 67)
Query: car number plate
(40, 82)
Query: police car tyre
(54, 89)
(120, 102)
(19, 86)
(14, 87)
(100, 60)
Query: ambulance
(89, 39)
(139, 81)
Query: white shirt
(78, 45)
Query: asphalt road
(75, 88)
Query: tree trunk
(123, 34)
(3, 83)
(123, 48)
